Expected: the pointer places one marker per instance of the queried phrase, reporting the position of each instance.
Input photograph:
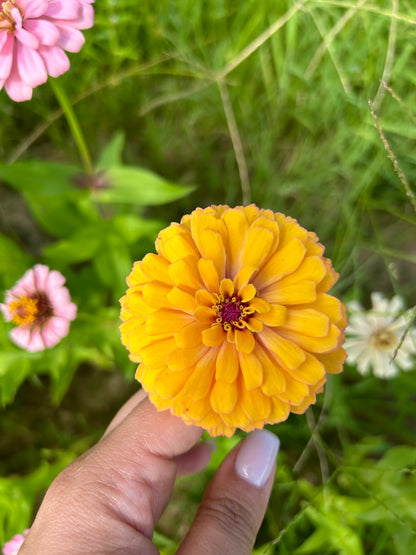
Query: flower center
(232, 312)
(26, 310)
(10, 15)
(384, 339)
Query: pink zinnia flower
(12, 547)
(33, 37)
(41, 308)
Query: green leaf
(35, 176)
(13, 261)
(81, 247)
(132, 227)
(138, 186)
(111, 155)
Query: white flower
(374, 335)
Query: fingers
(196, 458)
(128, 406)
(235, 502)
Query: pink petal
(16, 88)
(60, 9)
(33, 8)
(30, 66)
(36, 342)
(55, 327)
(6, 312)
(71, 39)
(40, 276)
(55, 60)
(6, 57)
(21, 336)
(45, 31)
(59, 297)
(26, 38)
(54, 280)
(86, 19)
(68, 311)
(4, 35)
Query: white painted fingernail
(256, 458)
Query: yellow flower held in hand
(231, 321)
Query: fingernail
(257, 456)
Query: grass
(265, 102)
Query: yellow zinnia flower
(231, 321)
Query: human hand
(110, 499)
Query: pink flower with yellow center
(33, 37)
(231, 321)
(41, 308)
(12, 546)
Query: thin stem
(236, 142)
(73, 125)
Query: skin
(110, 499)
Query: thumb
(235, 502)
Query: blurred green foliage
(184, 104)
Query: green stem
(73, 125)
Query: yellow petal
(285, 261)
(214, 425)
(211, 246)
(184, 273)
(289, 229)
(227, 366)
(237, 226)
(190, 336)
(244, 340)
(306, 403)
(137, 276)
(166, 321)
(214, 335)
(223, 397)
(243, 277)
(205, 315)
(312, 268)
(254, 325)
(333, 362)
(191, 410)
(155, 354)
(310, 372)
(255, 404)
(178, 246)
(156, 268)
(276, 316)
(251, 369)
(129, 326)
(203, 297)
(297, 293)
(258, 246)
(329, 305)
(260, 305)
(247, 293)
(330, 278)
(209, 274)
(316, 344)
(307, 322)
(147, 376)
(185, 358)
(168, 384)
(237, 418)
(274, 380)
(226, 288)
(201, 380)
(295, 392)
(136, 340)
(156, 295)
(182, 300)
(287, 353)
(279, 411)
(134, 304)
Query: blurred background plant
(188, 104)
